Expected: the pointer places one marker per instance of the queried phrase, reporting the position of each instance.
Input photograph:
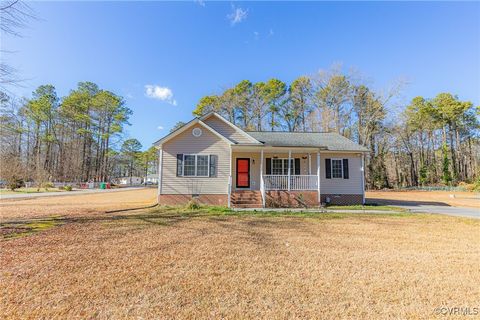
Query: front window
(195, 165)
(337, 168)
(189, 165)
(280, 166)
(202, 166)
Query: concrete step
(253, 206)
(246, 198)
(246, 202)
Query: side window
(337, 168)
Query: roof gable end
(237, 129)
(185, 127)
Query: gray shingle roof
(330, 140)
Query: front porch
(273, 177)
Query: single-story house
(132, 181)
(212, 160)
(152, 178)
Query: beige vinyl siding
(227, 130)
(352, 185)
(186, 143)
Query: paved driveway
(448, 210)
(438, 206)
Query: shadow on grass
(395, 202)
(169, 216)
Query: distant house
(152, 178)
(214, 161)
(131, 181)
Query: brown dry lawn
(450, 198)
(75, 205)
(166, 264)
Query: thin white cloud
(271, 33)
(256, 35)
(237, 15)
(160, 128)
(200, 2)
(160, 93)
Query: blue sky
(186, 50)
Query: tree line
(76, 138)
(424, 142)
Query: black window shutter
(345, 168)
(297, 166)
(328, 168)
(269, 165)
(213, 165)
(179, 164)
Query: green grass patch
(216, 211)
(28, 190)
(11, 230)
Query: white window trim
(196, 157)
(331, 168)
(293, 166)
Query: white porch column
(261, 164)
(229, 184)
(262, 182)
(289, 167)
(318, 178)
(160, 166)
(309, 164)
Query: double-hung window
(280, 166)
(337, 168)
(196, 165)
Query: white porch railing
(297, 182)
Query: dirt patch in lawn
(75, 205)
(163, 264)
(441, 198)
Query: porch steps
(246, 199)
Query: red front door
(243, 172)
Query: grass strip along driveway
(173, 263)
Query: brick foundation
(274, 199)
(182, 199)
(292, 199)
(343, 199)
(302, 199)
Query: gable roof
(329, 140)
(234, 127)
(185, 127)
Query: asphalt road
(76, 192)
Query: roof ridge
(293, 132)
